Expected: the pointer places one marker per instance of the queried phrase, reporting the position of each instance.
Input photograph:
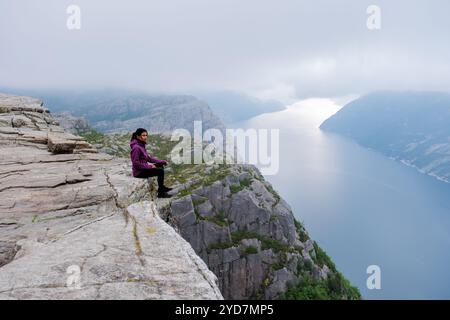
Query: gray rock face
(8, 250)
(163, 115)
(78, 226)
(118, 111)
(24, 122)
(246, 234)
(72, 124)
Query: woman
(140, 160)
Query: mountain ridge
(411, 127)
(115, 111)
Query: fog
(283, 50)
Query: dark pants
(159, 172)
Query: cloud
(274, 49)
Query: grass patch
(186, 173)
(274, 193)
(307, 266)
(335, 287)
(250, 250)
(267, 282)
(199, 201)
(185, 192)
(235, 188)
(93, 136)
(218, 219)
(266, 242)
(301, 231)
(245, 183)
(277, 266)
(322, 258)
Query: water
(362, 207)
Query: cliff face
(74, 223)
(248, 236)
(241, 228)
(412, 127)
(244, 232)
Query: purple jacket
(140, 157)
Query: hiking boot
(163, 195)
(166, 189)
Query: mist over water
(362, 207)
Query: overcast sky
(283, 49)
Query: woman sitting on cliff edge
(145, 165)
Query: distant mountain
(413, 127)
(233, 107)
(74, 125)
(113, 111)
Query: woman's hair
(137, 133)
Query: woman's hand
(151, 165)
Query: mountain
(234, 107)
(68, 212)
(124, 111)
(74, 125)
(412, 127)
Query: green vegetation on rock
(335, 287)
(303, 235)
(250, 250)
(266, 242)
(245, 183)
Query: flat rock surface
(77, 226)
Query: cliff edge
(241, 227)
(75, 225)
